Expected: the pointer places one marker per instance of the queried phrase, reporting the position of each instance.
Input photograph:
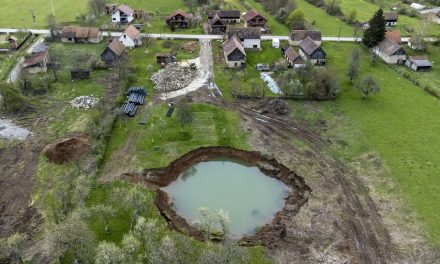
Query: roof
(390, 16)
(69, 32)
(39, 48)
(438, 13)
(117, 47)
(80, 32)
(420, 61)
(232, 44)
(388, 47)
(94, 32)
(251, 14)
(291, 53)
(308, 45)
(245, 33)
(12, 38)
(216, 19)
(298, 35)
(35, 59)
(224, 13)
(132, 32)
(125, 9)
(179, 12)
(163, 54)
(393, 36)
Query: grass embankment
(327, 24)
(401, 124)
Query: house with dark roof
(217, 25)
(293, 58)
(390, 19)
(179, 19)
(390, 52)
(36, 62)
(113, 51)
(310, 51)
(235, 55)
(39, 48)
(394, 36)
(229, 16)
(296, 36)
(418, 63)
(254, 19)
(72, 34)
(123, 14)
(249, 37)
(131, 37)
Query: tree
(352, 17)
(184, 113)
(368, 86)
(51, 22)
(103, 213)
(296, 19)
(354, 65)
(109, 253)
(325, 86)
(12, 248)
(147, 232)
(55, 55)
(136, 199)
(376, 32)
(97, 7)
(74, 235)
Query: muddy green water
(250, 197)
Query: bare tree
(55, 55)
(12, 248)
(368, 86)
(109, 253)
(51, 22)
(184, 113)
(97, 7)
(354, 65)
(136, 199)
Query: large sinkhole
(240, 189)
(259, 194)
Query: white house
(123, 14)
(131, 37)
(390, 52)
(250, 37)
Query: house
(235, 55)
(418, 63)
(123, 14)
(81, 34)
(165, 58)
(390, 52)
(254, 19)
(13, 42)
(293, 58)
(296, 36)
(394, 36)
(131, 37)
(229, 16)
(179, 19)
(310, 51)
(110, 8)
(417, 45)
(36, 62)
(249, 37)
(113, 51)
(276, 43)
(390, 19)
(217, 25)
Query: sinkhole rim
(267, 234)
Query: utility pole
(33, 15)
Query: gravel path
(205, 69)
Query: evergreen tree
(376, 32)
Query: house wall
(252, 43)
(108, 56)
(236, 59)
(116, 17)
(127, 41)
(390, 24)
(67, 40)
(394, 59)
(96, 40)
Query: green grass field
(401, 124)
(320, 20)
(19, 16)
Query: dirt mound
(66, 150)
(276, 106)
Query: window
(235, 64)
(255, 46)
(125, 36)
(114, 19)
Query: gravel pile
(84, 102)
(10, 131)
(173, 77)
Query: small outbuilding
(80, 74)
(235, 55)
(418, 63)
(165, 58)
(293, 58)
(390, 52)
(113, 51)
(36, 62)
(13, 42)
(310, 51)
(390, 19)
(276, 43)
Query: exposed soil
(267, 235)
(66, 150)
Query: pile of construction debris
(10, 131)
(173, 77)
(84, 102)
